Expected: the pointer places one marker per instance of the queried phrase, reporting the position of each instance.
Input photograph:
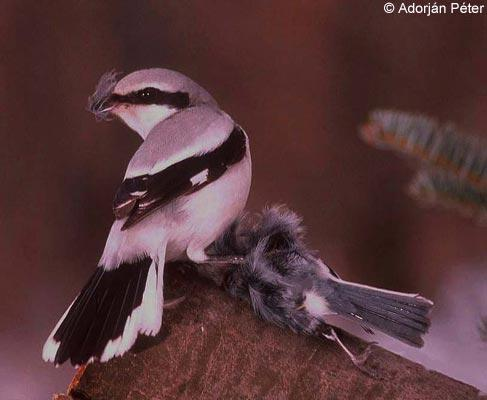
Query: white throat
(142, 118)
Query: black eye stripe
(152, 95)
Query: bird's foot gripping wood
(358, 360)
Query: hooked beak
(102, 102)
(102, 109)
(106, 105)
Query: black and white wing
(140, 196)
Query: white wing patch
(200, 178)
(138, 193)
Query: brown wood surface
(214, 347)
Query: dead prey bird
(287, 284)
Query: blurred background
(299, 76)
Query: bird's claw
(357, 360)
(361, 359)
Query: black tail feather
(99, 313)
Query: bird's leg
(357, 360)
(213, 266)
(198, 255)
(222, 261)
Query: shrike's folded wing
(139, 196)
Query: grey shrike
(183, 187)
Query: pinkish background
(300, 77)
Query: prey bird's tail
(108, 314)
(400, 315)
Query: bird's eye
(147, 94)
(151, 95)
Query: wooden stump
(213, 347)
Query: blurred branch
(456, 173)
(439, 188)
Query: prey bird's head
(144, 98)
